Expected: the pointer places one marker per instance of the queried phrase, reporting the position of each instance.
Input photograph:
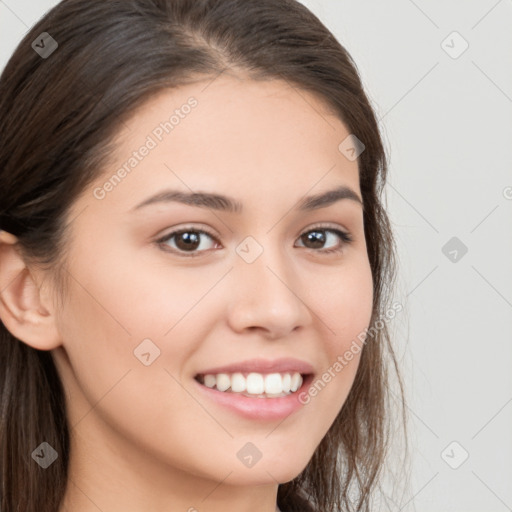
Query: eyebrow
(228, 204)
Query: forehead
(229, 133)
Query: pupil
(317, 237)
(191, 240)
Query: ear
(25, 309)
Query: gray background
(447, 124)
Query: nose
(267, 296)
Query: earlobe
(22, 308)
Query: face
(270, 288)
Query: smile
(253, 384)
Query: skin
(143, 437)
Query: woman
(195, 263)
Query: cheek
(138, 297)
(345, 309)
(345, 305)
(115, 305)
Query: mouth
(254, 384)
(258, 390)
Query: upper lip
(281, 365)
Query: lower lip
(258, 408)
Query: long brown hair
(58, 118)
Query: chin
(269, 472)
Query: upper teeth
(273, 384)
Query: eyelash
(344, 236)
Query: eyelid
(324, 225)
(175, 231)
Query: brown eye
(316, 238)
(186, 241)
